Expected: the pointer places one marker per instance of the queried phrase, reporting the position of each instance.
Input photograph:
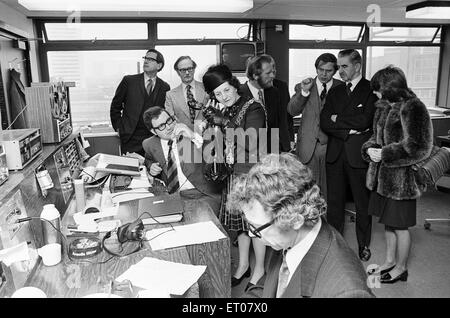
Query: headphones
(133, 231)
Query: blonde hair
(283, 186)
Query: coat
(404, 133)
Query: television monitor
(236, 54)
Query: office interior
(84, 54)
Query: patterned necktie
(283, 276)
(172, 173)
(349, 85)
(324, 92)
(191, 102)
(261, 97)
(149, 86)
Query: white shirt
(185, 184)
(255, 92)
(147, 78)
(319, 87)
(295, 255)
(184, 87)
(354, 82)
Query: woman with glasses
(240, 121)
(402, 135)
(283, 208)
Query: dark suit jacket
(130, 100)
(276, 116)
(353, 112)
(284, 99)
(190, 162)
(309, 131)
(329, 269)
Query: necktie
(283, 276)
(261, 97)
(172, 174)
(324, 91)
(191, 102)
(349, 91)
(149, 86)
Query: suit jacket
(284, 98)
(176, 103)
(190, 162)
(131, 99)
(276, 116)
(329, 269)
(309, 131)
(353, 112)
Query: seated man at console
(174, 154)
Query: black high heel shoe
(382, 272)
(387, 279)
(236, 281)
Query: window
(203, 55)
(320, 33)
(99, 31)
(420, 65)
(402, 34)
(96, 75)
(196, 31)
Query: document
(183, 235)
(130, 195)
(160, 276)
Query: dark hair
(152, 113)
(181, 58)
(355, 57)
(391, 83)
(326, 58)
(216, 75)
(254, 64)
(159, 57)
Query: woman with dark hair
(402, 136)
(240, 121)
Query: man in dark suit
(185, 100)
(308, 100)
(187, 151)
(311, 259)
(260, 74)
(347, 118)
(134, 95)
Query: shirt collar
(320, 86)
(253, 90)
(355, 82)
(146, 78)
(295, 255)
(191, 83)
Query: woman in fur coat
(402, 136)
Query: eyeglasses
(163, 126)
(188, 69)
(149, 59)
(256, 231)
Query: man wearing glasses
(185, 101)
(310, 258)
(134, 95)
(174, 155)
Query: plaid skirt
(232, 220)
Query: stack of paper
(161, 276)
(196, 233)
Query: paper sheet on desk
(83, 218)
(163, 276)
(14, 254)
(140, 181)
(183, 235)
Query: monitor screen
(235, 55)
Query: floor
(429, 263)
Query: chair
(443, 185)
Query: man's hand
(374, 154)
(182, 129)
(155, 169)
(304, 85)
(333, 118)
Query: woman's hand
(374, 154)
(215, 117)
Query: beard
(264, 84)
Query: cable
(17, 117)
(171, 226)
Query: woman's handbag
(429, 170)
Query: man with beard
(260, 74)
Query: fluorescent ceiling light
(429, 10)
(139, 5)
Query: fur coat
(404, 133)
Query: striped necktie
(191, 102)
(261, 97)
(283, 276)
(172, 173)
(149, 86)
